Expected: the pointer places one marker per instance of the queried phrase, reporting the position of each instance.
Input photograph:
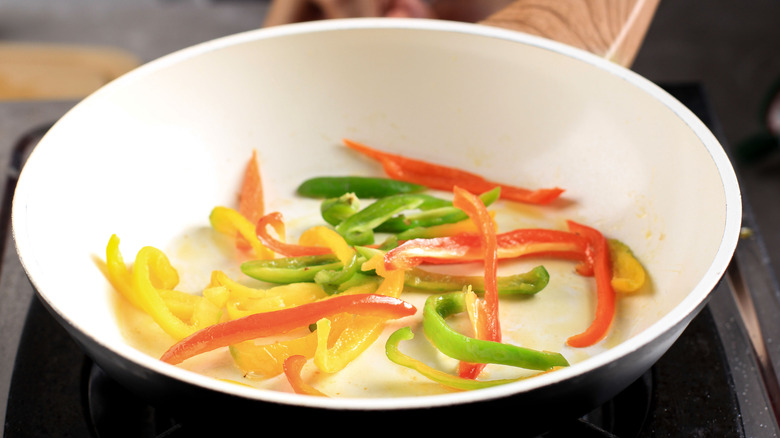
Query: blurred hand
(292, 11)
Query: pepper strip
(304, 269)
(434, 212)
(228, 221)
(165, 278)
(236, 290)
(361, 186)
(279, 297)
(358, 229)
(472, 350)
(362, 331)
(149, 263)
(250, 199)
(441, 177)
(442, 230)
(267, 359)
(260, 325)
(598, 251)
(349, 258)
(118, 273)
(628, 275)
(325, 237)
(354, 339)
(244, 300)
(478, 213)
(475, 309)
(279, 245)
(395, 355)
(290, 269)
(336, 210)
(512, 244)
(526, 283)
(292, 370)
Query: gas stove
(708, 384)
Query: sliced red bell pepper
(512, 244)
(292, 370)
(259, 325)
(286, 249)
(598, 251)
(441, 177)
(395, 169)
(478, 213)
(250, 199)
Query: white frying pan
(148, 156)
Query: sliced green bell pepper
(438, 376)
(290, 269)
(358, 229)
(336, 210)
(443, 213)
(361, 186)
(526, 283)
(464, 348)
(331, 279)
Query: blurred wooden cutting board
(57, 71)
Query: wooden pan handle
(613, 29)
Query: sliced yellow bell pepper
(217, 295)
(280, 297)
(118, 271)
(230, 222)
(392, 281)
(628, 275)
(361, 331)
(163, 277)
(235, 290)
(152, 263)
(324, 236)
(181, 304)
(154, 294)
(267, 359)
(243, 300)
(475, 309)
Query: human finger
(408, 9)
(289, 11)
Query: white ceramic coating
(148, 156)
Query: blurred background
(731, 48)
